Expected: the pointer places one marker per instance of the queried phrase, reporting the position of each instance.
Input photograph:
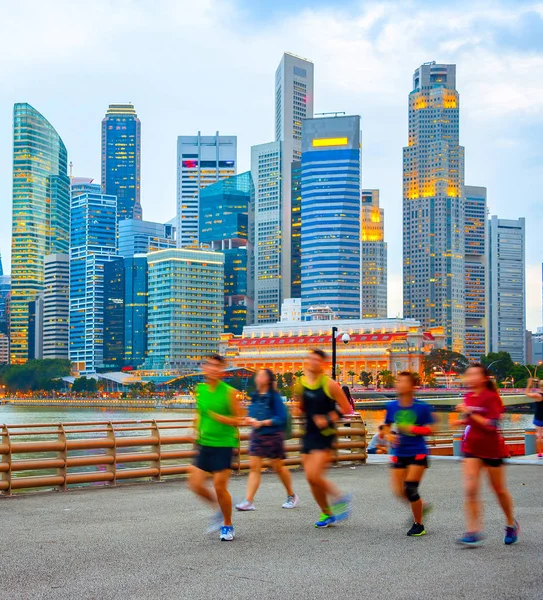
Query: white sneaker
(292, 501)
(227, 534)
(245, 506)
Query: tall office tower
(293, 104)
(433, 205)
(5, 287)
(93, 243)
(224, 208)
(41, 214)
(331, 206)
(373, 290)
(140, 237)
(186, 306)
(265, 231)
(4, 349)
(35, 328)
(114, 314)
(121, 159)
(56, 306)
(507, 288)
(201, 161)
(476, 265)
(296, 229)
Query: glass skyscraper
(224, 210)
(140, 237)
(433, 206)
(114, 314)
(93, 243)
(121, 159)
(5, 287)
(41, 214)
(56, 306)
(331, 199)
(296, 229)
(201, 161)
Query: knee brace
(411, 489)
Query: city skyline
(500, 118)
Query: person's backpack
(287, 429)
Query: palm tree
(351, 374)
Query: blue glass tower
(114, 314)
(330, 215)
(5, 286)
(121, 159)
(135, 310)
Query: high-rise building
(373, 290)
(121, 159)
(114, 314)
(433, 205)
(4, 349)
(224, 208)
(507, 288)
(41, 214)
(296, 229)
(93, 243)
(265, 231)
(331, 205)
(5, 287)
(35, 328)
(476, 259)
(140, 237)
(56, 306)
(201, 161)
(293, 104)
(186, 307)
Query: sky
(209, 65)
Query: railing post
(6, 459)
(158, 449)
(457, 444)
(63, 471)
(112, 468)
(530, 446)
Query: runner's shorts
(402, 462)
(538, 423)
(317, 442)
(489, 462)
(212, 459)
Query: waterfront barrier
(64, 455)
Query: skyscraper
(476, 259)
(5, 287)
(296, 229)
(186, 301)
(121, 159)
(507, 288)
(224, 210)
(331, 199)
(140, 237)
(56, 306)
(41, 214)
(293, 104)
(114, 314)
(373, 270)
(93, 243)
(433, 205)
(265, 230)
(35, 328)
(201, 161)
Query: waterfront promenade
(146, 542)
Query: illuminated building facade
(201, 161)
(5, 287)
(331, 206)
(186, 307)
(224, 208)
(376, 344)
(476, 264)
(373, 290)
(140, 237)
(293, 104)
(56, 306)
(121, 159)
(41, 214)
(265, 231)
(296, 229)
(114, 314)
(4, 349)
(507, 288)
(433, 205)
(93, 244)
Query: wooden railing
(58, 456)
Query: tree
(351, 374)
(288, 379)
(34, 374)
(444, 360)
(386, 378)
(366, 378)
(501, 365)
(299, 373)
(84, 384)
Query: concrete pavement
(146, 542)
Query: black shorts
(488, 462)
(317, 442)
(213, 459)
(402, 462)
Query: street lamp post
(345, 338)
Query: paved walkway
(146, 542)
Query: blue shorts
(538, 423)
(213, 459)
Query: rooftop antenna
(71, 169)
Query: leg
(397, 480)
(220, 482)
(254, 477)
(497, 481)
(197, 483)
(472, 477)
(539, 440)
(315, 465)
(284, 475)
(414, 475)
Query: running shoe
(292, 501)
(216, 523)
(470, 539)
(417, 530)
(511, 534)
(325, 521)
(227, 533)
(342, 509)
(245, 506)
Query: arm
(340, 399)
(279, 414)
(235, 410)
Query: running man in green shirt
(218, 417)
